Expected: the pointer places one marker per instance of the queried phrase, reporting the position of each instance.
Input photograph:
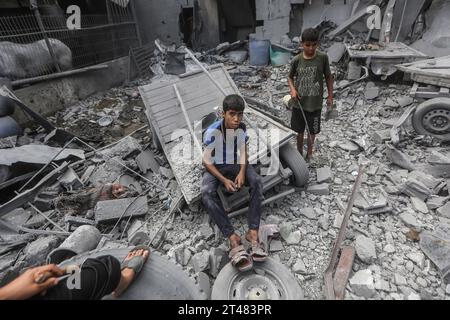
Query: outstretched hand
(27, 286)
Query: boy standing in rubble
(308, 71)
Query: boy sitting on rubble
(306, 77)
(226, 161)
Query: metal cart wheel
(269, 280)
(433, 118)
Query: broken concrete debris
(401, 196)
(111, 210)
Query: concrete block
(409, 220)
(36, 252)
(299, 267)
(124, 148)
(275, 246)
(362, 284)
(111, 210)
(381, 136)
(70, 180)
(372, 93)
(294, 238)
(435, 202)
(365, 249)
(37, 220)
(419, 205)
(308, 213)
(200, 261)
(217, 259)
(146, 161)
(319, 189)
(324, 175)
(444, 211)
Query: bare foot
(252, 236)
(128, 274)
(235, 240)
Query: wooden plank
(440, 82)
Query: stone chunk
(435, 202)
(111, 210)
(444, 210)
(294, 238)
(308, 213)
(324, 175)
(372, 92)
(299, 267)
(362, 284)
(409, 220)
(146, 161)
(365, 249)
(319, 189)
(37, 251)
(419, 205)
(200, 261)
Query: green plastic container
(279, 56)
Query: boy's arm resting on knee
(243, 161)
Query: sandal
(241, 259)
(137, 262)
(257, 251)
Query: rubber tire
(7, 106)
(159, 279)
(294, 160)
(9, 127)
(423, 109)
(292, 288)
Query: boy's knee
(255, 182)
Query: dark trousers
(99, 277)
(214, 207)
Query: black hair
(233, 102)
(311, 35)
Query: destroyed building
(94, 120)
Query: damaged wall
(50, 96)
(436, 40)
(336, 11)
(162, 21)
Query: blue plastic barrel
(259, 52)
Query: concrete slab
(111, 210)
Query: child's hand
(330, 101)
(240, 180)
(294, 94)
(27, 286)
(230, 185)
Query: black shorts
(313, 119)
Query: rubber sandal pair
(241, 259)
(137, 262)
(257, 250)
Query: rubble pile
(126, 189)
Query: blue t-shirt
(226, 146)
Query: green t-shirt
(308, 76)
